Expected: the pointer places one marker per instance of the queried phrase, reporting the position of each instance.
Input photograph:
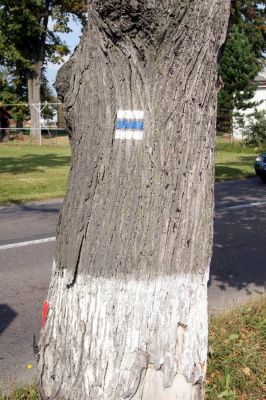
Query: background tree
(250, 17)
(243, 58)
(238, 70)
(13, 91)
(27, 42)
(13, 96)
(127, 301)
(47, 96)
(254, 128)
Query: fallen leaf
(247, 371)
(234, 336)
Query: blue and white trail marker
(130, 125)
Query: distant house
(260, 100)
(5, 118)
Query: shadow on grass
(50, 206)
(223, 172)
(235, 169)
(32, 163)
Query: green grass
(237, 354)
(25, 393)
(234, 160)
(37, 173)
(229, 165)
(32, 172)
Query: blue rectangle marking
(130, 124)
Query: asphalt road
(24, 278)
(238, 268)
(237, 272)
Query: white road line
(29, 243)
(259, 203)
(53, 239)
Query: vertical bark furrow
(128, 297)
(104, 310)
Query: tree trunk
(128, 297)
(34, 100)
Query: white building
(260, 100)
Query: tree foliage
(250, 16)
(47, 96)
(255, 128)
(29, 38)
(13, 95)
(13, 91)
(25, 35)
(238, 69)
(243, 58)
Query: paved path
(24, 278)
(238, 269)
(238, 266)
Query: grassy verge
(230, 165)
(26, 393)
(237, 356)
(32, 172)
(234, 161)
(37, 173)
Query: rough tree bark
(128, 296)
(35, 77)
(34, 99)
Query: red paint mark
(44, 313)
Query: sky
(72, 40)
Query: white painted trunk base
(126, 339)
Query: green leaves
(25, 32)
(249, 16)
(13, 91)
(26, 35)
(242, 59)
(29, 38)
(233, 336)
(255, 128)
(228, 393)
(238, 69)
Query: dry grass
(26, 393)
(237, 357)
(237, 354)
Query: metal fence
(44, 131)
